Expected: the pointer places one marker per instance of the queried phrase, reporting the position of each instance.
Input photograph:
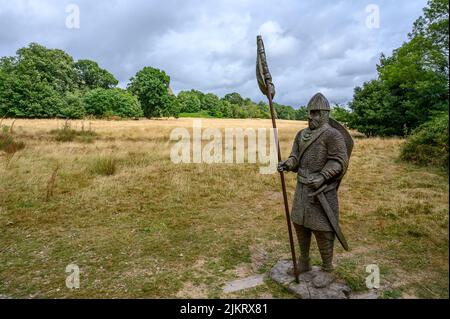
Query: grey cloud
(210, 45)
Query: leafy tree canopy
(91, 76)
(151, 86)
(412, 83)
(112, 102)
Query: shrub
(105, 166)
(67, 134)
(428, 144)
(112, 102)
(7, 141)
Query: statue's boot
(303, 265)
(304, 239)
(325, 241)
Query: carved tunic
(322, 151)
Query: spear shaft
(267, 88)
(283, 182)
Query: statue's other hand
(317, 182)
(283, 166)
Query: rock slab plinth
(314, 284)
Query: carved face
(317, 118)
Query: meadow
(104, 195)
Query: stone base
(314, 284)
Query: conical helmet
(318, 102)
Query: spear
(268, 89)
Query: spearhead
(262, 70)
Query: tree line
(410, 96)
(47, 83)
(412, 86)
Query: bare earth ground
(160, 230)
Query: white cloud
(276, 41)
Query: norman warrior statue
(320, 155)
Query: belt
(304, 180)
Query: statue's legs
(325, 241)
(304, 239)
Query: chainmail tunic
(322, 151)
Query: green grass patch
(202, 114)
(392, 294)
(105, 166)
(354, 275)
(235, 254)
(68, 134)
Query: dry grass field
(139, 226)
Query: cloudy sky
(327, 46)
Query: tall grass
(51, 183)
(8, 144)
(68, 134)
(105, 166)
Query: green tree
(284, 112)
(241, 112)
(211, 103)
(53, 66)
(91, 76)
(6, 94)
(264, 110)
(412, 83)
(234, 98)
(340, 114)
(200, 96)
(301, 114)
(189, 102)
(433, 26)
(34, 83)
(73, 107)
(151, 86)
(112, 102)
(252, 109)
(174, 107)
(226, 109)
(373, 112)
(23, 96)
(419, 90)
